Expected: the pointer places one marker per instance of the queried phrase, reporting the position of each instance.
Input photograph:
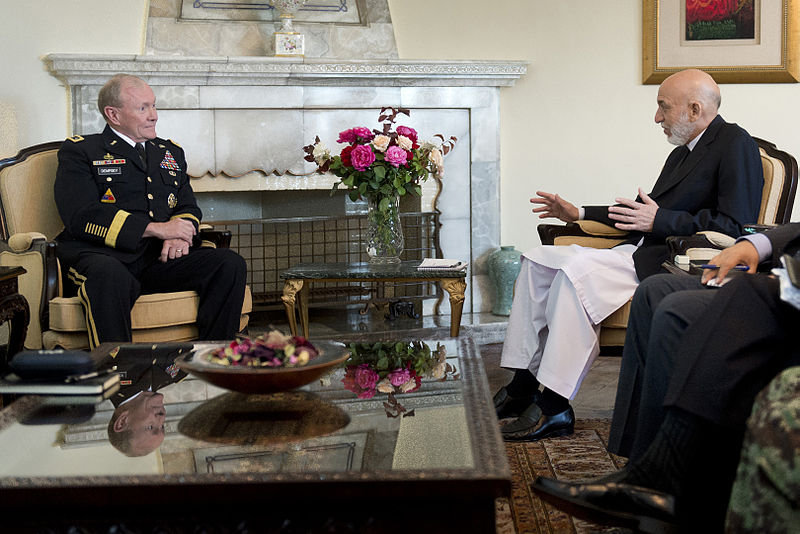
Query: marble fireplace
(244, 120)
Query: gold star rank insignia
(108, 197)
(172, 200)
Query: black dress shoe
(532, 425)
(507, 406)
(614, 504)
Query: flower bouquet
(381, 166)
(392, 368)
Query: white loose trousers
(561, 296)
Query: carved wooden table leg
(455, 287)
(14, 309)
(304, 308)
(290, 289)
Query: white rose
(321, 152)
(404, 142)
(381, 143)
(408, 386)
(439, 370)
(435, 157)
(385, 386)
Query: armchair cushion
(22, 242)
(156, 317)
(600, 229)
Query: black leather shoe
(529, 427)
(614, 504)
(507, 406)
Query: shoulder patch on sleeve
(174, 143)
(76, 138)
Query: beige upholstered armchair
(29, 221)
(780, 186)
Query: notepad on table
(441, 264)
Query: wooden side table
(298, 278)
(14, 309)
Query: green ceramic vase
(504, 265)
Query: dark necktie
(683, 155)
(142, 153)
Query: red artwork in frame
(708, 20)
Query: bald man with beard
(711, 181)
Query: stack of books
(72, 374)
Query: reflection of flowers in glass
(392, 367)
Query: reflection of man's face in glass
(138, 424)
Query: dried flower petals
(275, 349)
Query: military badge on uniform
(108, 156)
(108, 197)
(172, 200)
(76, 138)
(169, 162)
(173, 370)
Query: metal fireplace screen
(271, 246)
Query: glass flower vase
(384, 232)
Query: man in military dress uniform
(131, 222)
(137, 426)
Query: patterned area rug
(580, 456)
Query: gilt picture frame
(765, 51)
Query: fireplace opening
(272, 245)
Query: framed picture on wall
(736, 41)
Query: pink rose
(411, 133)
(396, 156)
(353, 135)
(366, 378)
(398, 377)
(362, 157)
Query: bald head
(687, 103)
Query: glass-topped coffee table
(427, 460)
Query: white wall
(33, 28)
(580, 123)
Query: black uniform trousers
(109, 288)
(662, 308)
(707, 351)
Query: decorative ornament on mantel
(288, 42)
(381, 166)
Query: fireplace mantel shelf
(92, 69)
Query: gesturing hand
(174, 248)
(554, 206)
(633, 215)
